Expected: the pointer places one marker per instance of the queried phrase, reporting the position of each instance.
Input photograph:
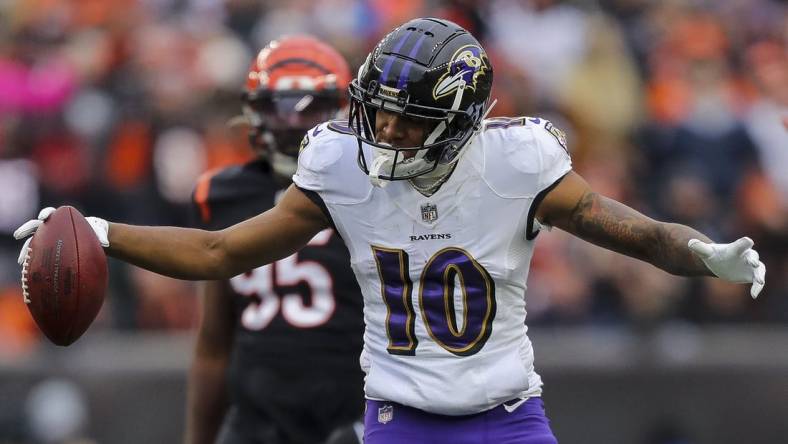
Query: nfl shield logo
(429, 212)
(385, 414)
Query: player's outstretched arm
(211, 255)
(207, 399)
(187, 253)
(678, 249)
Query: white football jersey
(443, 277)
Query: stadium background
(673, 107)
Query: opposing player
(440, 210)
(288, 334)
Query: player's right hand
(100, 228)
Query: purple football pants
(392, 423)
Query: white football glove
(99, 226)
(735, 262)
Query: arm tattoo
(615, 226)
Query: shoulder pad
(327, 165)
(522, 156)
(221, 186)
(209, 185)
(201, 208)
(548, 126)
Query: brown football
(64, 276)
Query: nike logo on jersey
(510, 406)
(421, 237)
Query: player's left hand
(735, 262)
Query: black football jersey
(300, 313)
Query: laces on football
(25, 265)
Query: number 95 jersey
(444, 276)
(299, 313)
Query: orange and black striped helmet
(294, 83)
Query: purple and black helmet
(429, 69)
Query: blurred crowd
(675, 107)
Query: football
(64, 276)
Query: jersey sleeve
(523, 157)
(311, 167)
(310, 176)
(555, 163)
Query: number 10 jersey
(444, 276)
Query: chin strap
(380, 158)
(383, 160)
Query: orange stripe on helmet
(298, 63)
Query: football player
(440, 209)
(283, 339)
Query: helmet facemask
(279, 121)
(451, 129)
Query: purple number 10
(436, 300)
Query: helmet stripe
(403, 76)
(390, 61)
(299, 61)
